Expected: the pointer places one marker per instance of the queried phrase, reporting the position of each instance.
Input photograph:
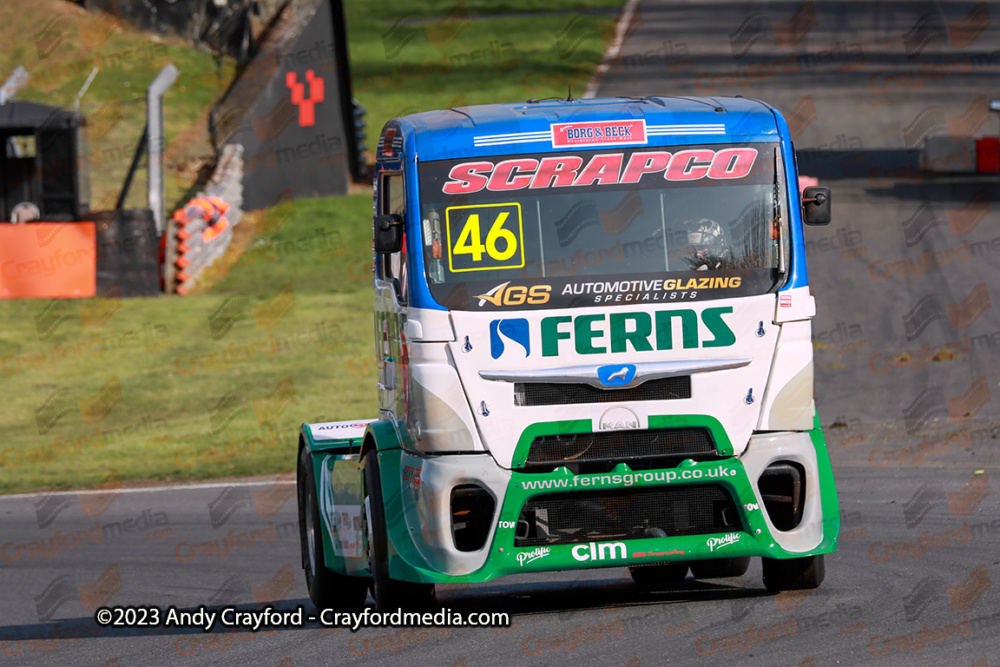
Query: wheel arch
(382, 435)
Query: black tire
(793, 574)
(659, 574)
(717, 568)
(389, 594)
(327, 589)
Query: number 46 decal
(484, 237)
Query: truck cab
(593, 338)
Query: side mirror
(816, 205)
(388, 233)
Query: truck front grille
(554, 393)
(628, 514)
(602, 451)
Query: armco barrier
(204, 226)
(947, 154)
(944, 153)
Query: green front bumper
(417, 496)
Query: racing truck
(593, 333)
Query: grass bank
(103, 391)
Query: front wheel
(389, 594)
(327, 589)
(792, 574)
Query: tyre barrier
(204, 225)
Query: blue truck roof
(526, 127)
(530, 127)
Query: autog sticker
(339, 430)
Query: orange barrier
(199, 222)
(48, 260)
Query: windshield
(591, 228)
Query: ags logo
(517, 295)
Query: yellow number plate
(485, 237)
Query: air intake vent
(575, 518)
(471, 516)
(602, 451)
(554, 393)
(782, 488)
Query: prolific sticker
(716, 543)
(484, 237)
(533, 555)
(601, 133)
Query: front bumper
(418, 491)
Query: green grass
(170, 371)
(59, 44)
(312, 362)
(506, 51)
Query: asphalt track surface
(906, 383)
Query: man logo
(616, 375)
(617, 418)
(514, 329)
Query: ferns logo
(512, 329)
(591, 334)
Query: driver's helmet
(707, 238)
